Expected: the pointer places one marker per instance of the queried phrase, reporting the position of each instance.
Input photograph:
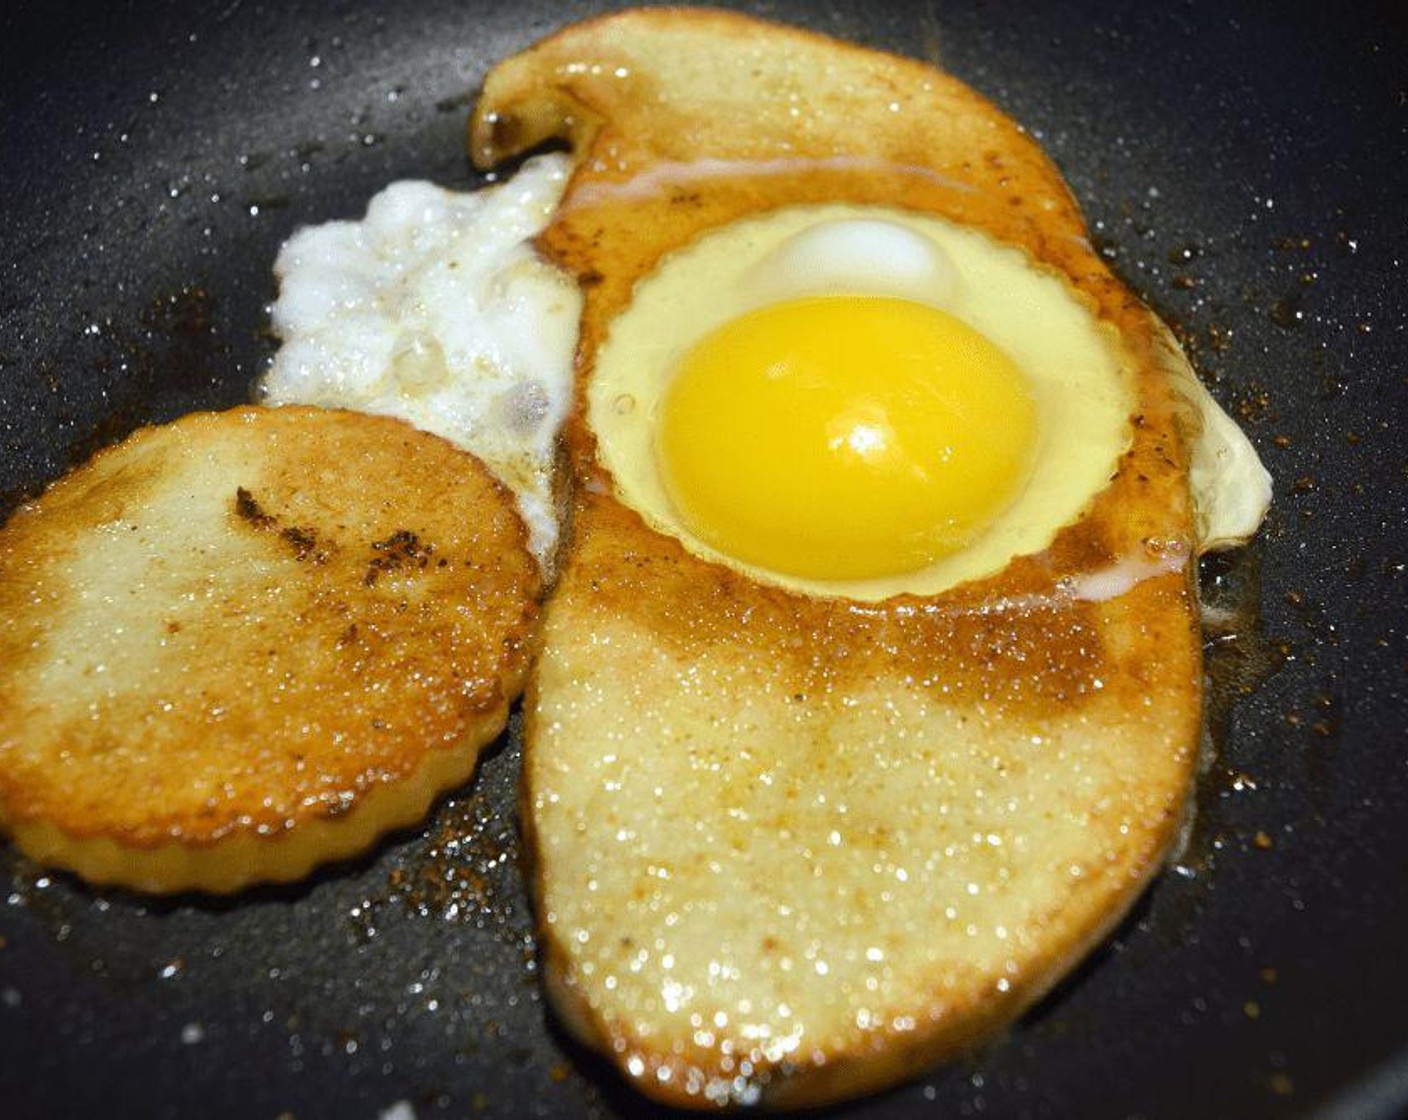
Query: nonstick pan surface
(1243, 167)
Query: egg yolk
(844, 437)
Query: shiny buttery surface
(229, 655)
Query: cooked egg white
(1231, 488)
(435, 308)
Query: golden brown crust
(265, 633)
(1010, 757)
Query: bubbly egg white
(435, 308)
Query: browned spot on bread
(304, 540)
(401, 551)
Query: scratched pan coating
(1243, 168)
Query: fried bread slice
(792, 848)
(245, 643)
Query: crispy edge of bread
(306, 583)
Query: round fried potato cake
(246, 643)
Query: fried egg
(434, 308)
(859, 402)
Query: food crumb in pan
(463, 868)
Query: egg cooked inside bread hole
(858, 401)
(244, 644)
(790, 846)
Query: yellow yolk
(844, 437)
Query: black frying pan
(1243, 168)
